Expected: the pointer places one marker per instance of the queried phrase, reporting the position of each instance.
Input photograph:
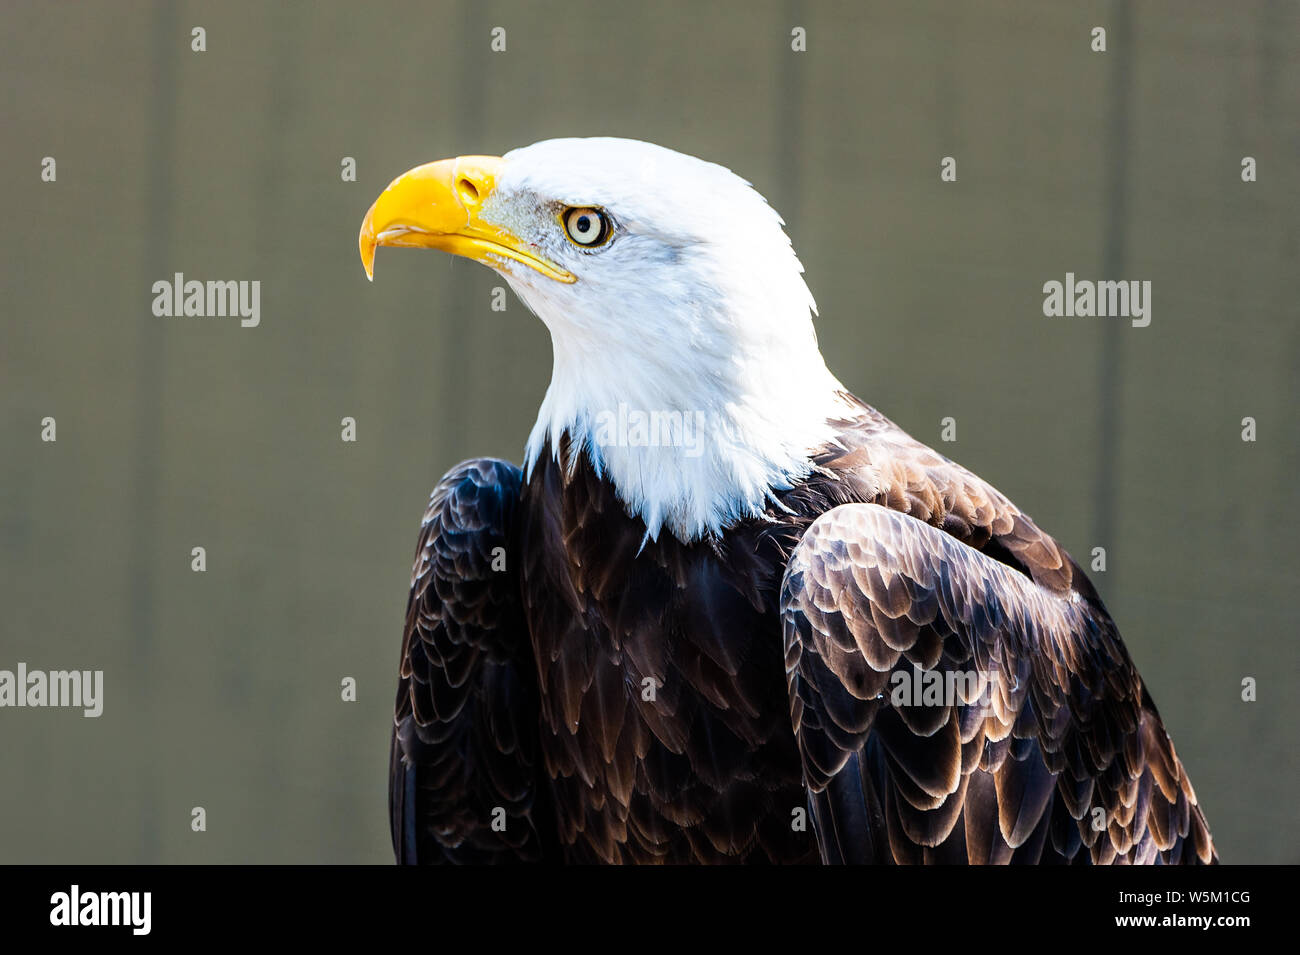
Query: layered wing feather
(463, 775)
(951, 708)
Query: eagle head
(686, 367)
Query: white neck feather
(694, 431)
(692, 460)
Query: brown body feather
(611, 699)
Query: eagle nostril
(468, 191)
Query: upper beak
(436, 206)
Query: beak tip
(367, 242)
(368, 256)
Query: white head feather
(697, 305)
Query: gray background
(223, 688)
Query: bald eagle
(726, 611)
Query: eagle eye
(587, 227)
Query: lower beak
(437, 206)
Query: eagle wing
(463, 772)
(949, 708)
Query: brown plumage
(603, 698)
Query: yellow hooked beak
(436, 206)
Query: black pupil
(584, 224)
